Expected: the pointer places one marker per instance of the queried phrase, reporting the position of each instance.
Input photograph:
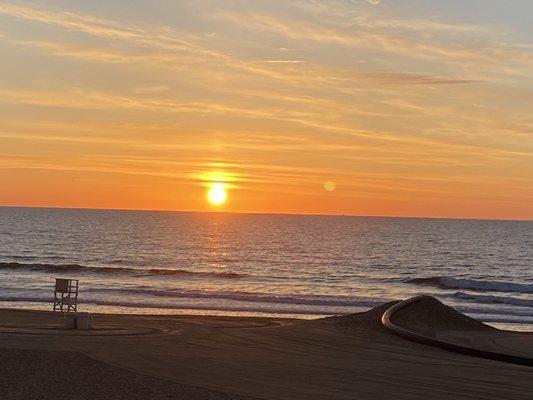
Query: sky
(362, 107)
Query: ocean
(265, 265)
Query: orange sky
(409, 110)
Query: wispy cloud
(282, 61)
(171, 41)
(391, 106)
(110, 29)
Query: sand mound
(370, 316)
(368, 322)
(424, 319)
(429, 315)
(425, 316)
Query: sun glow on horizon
(217, 193)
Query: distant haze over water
(283, 265)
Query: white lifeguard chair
(66, 295)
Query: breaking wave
(58, 268)
(473, 284)
(306, 300)
(487, 299)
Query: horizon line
(264, 213)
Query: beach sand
(196, 357)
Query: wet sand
(192, 357)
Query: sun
(217, 193)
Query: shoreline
(518, 326)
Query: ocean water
(265, 265)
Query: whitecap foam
(473, 284)
(494, 299)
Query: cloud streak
(278, 98)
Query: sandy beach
(193, 357)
